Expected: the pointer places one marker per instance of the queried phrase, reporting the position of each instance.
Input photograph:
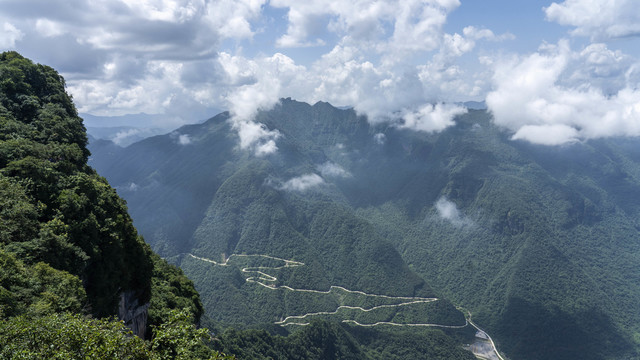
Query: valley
(483, 345)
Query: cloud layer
(547, 97)
(386, 58)
(396, 61)
(598, 19)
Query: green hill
(71, 262)
(539, 243)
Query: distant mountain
(124, 130)
(475, 105)
(539, 243)
(123, 135)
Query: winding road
(268, 281)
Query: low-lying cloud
(330, 169)
(432, 118)
(447, 210)
(184, 139)
(302, 183)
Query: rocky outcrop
(133, 313)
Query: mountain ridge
(512, 206)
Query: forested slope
(70, 258)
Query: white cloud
(432, 118)
(302, 183)
(166, 10)
(180, 139)
(386, 92)
(603, 68)
(257, 85)
(547, 134)
(9, 35)
(598, 19)
(255, 136)
(447, 210)
(416, 24)
(386, 58)
(538, 98)
(330, 169)
(232, 18)
(184, 139)
(122, 137)
(49, 28)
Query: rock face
(133, 313)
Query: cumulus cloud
(447, 210)
(302, 183)
(543, 101)
(257, 85)
(598, 19)
(432, 118)
(388, 59)
(372, 68)
(122, 57)
(233, 18)
(386, 92)
(9, 35)
(416, 24)
(330, 169)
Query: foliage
(54, 208)
(67, 336)
(171, 290)
(38, 289)
(179, 339)
(327, 340)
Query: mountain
(73, 269)
(123, 135)
(539, 243)
(124, 130)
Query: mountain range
(540, 244)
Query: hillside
(71, 262)
(539, 243)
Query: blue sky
(552, 72)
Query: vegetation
(67, 336)
(325, 340)
(68, 248)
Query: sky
(552, 73)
